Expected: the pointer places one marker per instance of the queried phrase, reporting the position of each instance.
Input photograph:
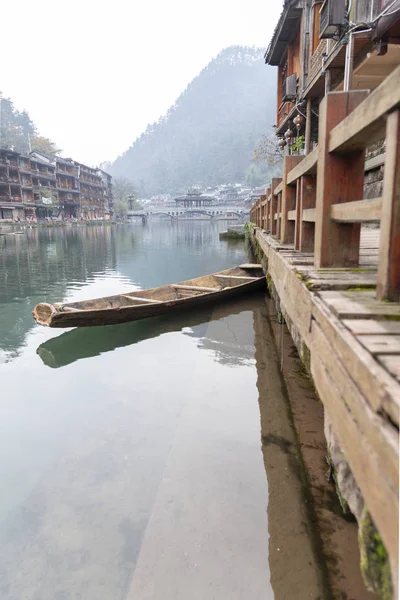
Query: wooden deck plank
(381, 344)
(374, 381)
(392, 364)
(368, 466)
(358, 305)
(370, 327)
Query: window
(316, 24)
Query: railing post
(274, 206)
(307, 187)
(297, 225)
(286, 230)
(339, 179)
(388, 283)
(263, 198)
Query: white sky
(93, 74)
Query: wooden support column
(263, 198)
(307, 191)
(388, 283)
(340, 179)
(297, 225)
(274, 206)
(307, 143)
(286, 230)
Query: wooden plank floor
(350, 296)
(354, 347)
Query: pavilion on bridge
(195, 199)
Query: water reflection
(40, 266)
(59, 264)
(218, 337)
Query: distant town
(40, 187)
(37, 186)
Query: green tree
(121, 208)
(44, 145)
(125, 191)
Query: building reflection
(39, 265)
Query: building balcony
(284, 111)
(11, 199)
(42, 175)
(62, 189)
(65, 173)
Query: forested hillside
(208, 136)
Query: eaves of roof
(283, 33)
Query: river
(132, 462)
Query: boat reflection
(81, 343)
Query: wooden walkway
(352, 342)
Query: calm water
(131, 460)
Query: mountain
(208, 136)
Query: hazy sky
(93, 74)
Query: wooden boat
(81, 343)
(131, 306)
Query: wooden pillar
(286, 229)
(263, 198)
(307, 186)
(340, 179)
(388, 283)
(274, 205)
(307, 142)
(297, 225)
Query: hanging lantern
(282, 143)
(289, 134)
(298, 121)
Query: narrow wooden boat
(132, 306)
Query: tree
(121, 208)
(269, 151)
(125, 191)
(16, 128)
(44, 145)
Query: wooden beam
(244, 277)
(360, 211)
(367, 123)
(195, 288)
(339, 179)
(309, 215)
(140, 299)
(307, 166)
(388, 286)
(374, 163)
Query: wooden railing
(318, 205)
